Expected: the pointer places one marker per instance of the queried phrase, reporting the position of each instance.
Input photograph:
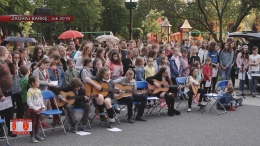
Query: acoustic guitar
(129, 91)
(164, 86)
(70, 96)
(104, 91)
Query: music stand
(244, 80)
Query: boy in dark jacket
(80, 102)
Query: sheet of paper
(241, 75)
(249, 77)
(6, 104)
(54, 83)
(117, 71)
(215, 72)
(114, 129)
(208, 84)
(82, 133)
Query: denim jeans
(241, 82)
(225, 73)
(253, 82)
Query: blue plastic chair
(182, 81)
(2, 122)
(216, 96)
(49, 95)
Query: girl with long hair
(101, 55)
(242, 66)
(161, 75)
(203, 51)
(86, 52)
(192, 80)
(103, 75)
(37, 54)
(213, 54)
(226, 58)
(115, 65)
(16, 88)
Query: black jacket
(81, 93)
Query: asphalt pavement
(235, 128)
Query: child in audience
(127, 61)
(227, 100)
(25, 71)
(135, 54)
(207, 74)
(115, 65)
(149, 69)
(56, 72)
(139, 69)
(36, 105)
(165, 63)
(71, 72)
(199, 77)
(97, 64)
(86, 71)
(238, 101)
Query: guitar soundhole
(162, 86)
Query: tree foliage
(150, 23)
(137, 33)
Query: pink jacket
(241, 61)
(113, 67)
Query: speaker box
(42, 11)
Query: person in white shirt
(254, 61)
(191, 80)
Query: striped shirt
(6, 79)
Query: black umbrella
(19, 39)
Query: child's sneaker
(241, 103)
(37, 137)
(232, 109)
(33, 140)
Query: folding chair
(144, 85)
(122, 105)
(185, 97)
(74, 110)
(49, 95)
(216, 96)
(2, 122)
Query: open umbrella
(20, 39)
(71, 34)
(107, 37)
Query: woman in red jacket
(207, 75)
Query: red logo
(25, 126)
(14, 126)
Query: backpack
(80, 72)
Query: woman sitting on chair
(192, 81)
(163, 75)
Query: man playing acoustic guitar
(81, 101)
(129, 81)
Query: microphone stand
(243, 79)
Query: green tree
(18, 7)
(150, 23)
(137, 33)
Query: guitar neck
(110, 90)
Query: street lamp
(131, 4)
(167, 27)
(185, 28)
